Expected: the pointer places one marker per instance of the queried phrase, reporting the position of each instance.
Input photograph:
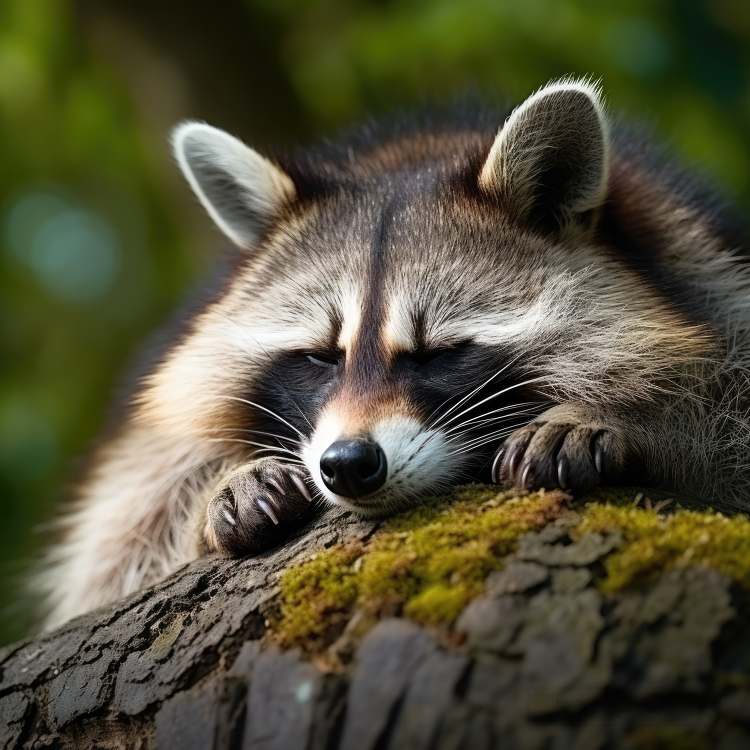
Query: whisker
(476, 442)
(485, 424)
(473, 448)
(279, 438)
(246, 429)
(263, 408)
(242, 328)
(456, 439)
(489, 437)
(474, 445)
(487, 417)
(284, 459)
(466, 439)
(494, 395)
(467, 396)
(250, 442)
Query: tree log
(541, 659)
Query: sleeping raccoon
(543, 306)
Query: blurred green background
(99, 238)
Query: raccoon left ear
(240, 189)
(549, 164)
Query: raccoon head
(400, 310)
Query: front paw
(559, 452)
(256, 507)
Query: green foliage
(89, 262)
(683, 63)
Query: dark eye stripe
(423, 356)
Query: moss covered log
(427, 564)
(479, 619)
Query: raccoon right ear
(549, 164)
(240, 189)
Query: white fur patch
(351, 313)
(398, 332)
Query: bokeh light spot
(73, 252)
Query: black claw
(273, 500)
(525, 475)
(515, 457)
(602, 455)
(562, 472)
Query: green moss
(436, 558)
(653, 543)
(316, 594)
(438, 603)
(430, 561)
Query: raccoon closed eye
(325, 359)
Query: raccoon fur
(544, 305)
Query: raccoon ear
(240, 189)
(549, 164)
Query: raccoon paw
(556, 454)
(257, 507)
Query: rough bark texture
(547, 661)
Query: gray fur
(585, 322)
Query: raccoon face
(393, 315)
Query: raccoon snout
(353, 468)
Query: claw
(515, 457)
(273, 501)
(562, 472)
(599, 459)
(228, 516)
(276, 485)
(266, 508)
(525, 475)
(496, 465)
(301, 487)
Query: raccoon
(550, 304)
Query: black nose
(353, 468)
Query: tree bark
(542, 659)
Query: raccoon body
(546, 305)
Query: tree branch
(542, 656)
